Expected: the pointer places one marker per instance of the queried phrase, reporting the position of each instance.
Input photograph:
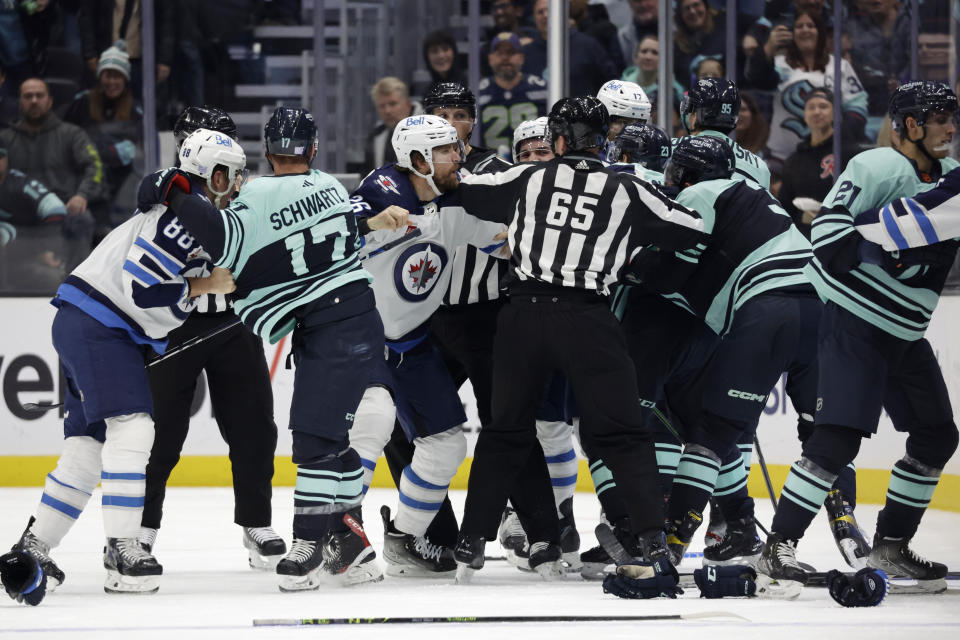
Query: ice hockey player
(873, 354)
(411, 269)
(240, 393)
(627, 104)
(136, 286)
(642, 149)
(291, 241)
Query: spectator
(507, 16)
(392, 99)
(9, 110)
(699, 31)
(103, 22)
(808, 172)
(803, 64)
(752, 128)
(593, 20)
(880, 37)
(509, 97)
(442, 60)
(15, 58)
(590, 67)
(645, 73)
(708, 67)
(644, 23)
(59, 155)
(112, 118)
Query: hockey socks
(125, 454)
(556, 438)
(67, 489)
(424, 482)
(326, 489)
(803, 494)
(912, 484)
(372, 425)
(695, 481)
(611, 498)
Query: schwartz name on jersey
(134, 279)
(411, 267)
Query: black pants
(242, 402)
(577, 334)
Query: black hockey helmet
(920, 99)
(644, 144)
(205, 117)
(291, 132)
(450, 94)
(697, 159)
(582, 121)
(716, 102)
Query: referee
(574, 225)
(240, 393)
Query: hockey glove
(726, 582)
(865, 588)
(22, 577)
(642, 581)
(157, 188)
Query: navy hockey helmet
(643, 144)
(582, 121)
(715, 101)
(205, 117)
(450, 94)
(697, 159)
(291, 132)
(920, 99)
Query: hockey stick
(37, 407)
(298, 622)
(407, 237)
(766, 474)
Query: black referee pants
(577, 334)
(242, 400)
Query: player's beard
(446, 182)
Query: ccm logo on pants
(746, 395)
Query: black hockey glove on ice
(726, 582)
(22, 577)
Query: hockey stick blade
(40, 407)
(608, 540)
(298, 622)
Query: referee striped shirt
(575, 224)
(476, 276)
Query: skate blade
(737, 560)
(309, 582)
(853, 553)
(907, 586)
(416, 571)
(516, 561)
(119, 583)
(464, 574)
(594, 571)
(771, 589)
(550, 571)
(364, 568)
(571, 562)
(263, 563)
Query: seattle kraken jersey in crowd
(895, 304)
(476, 276)
(132, 280)
(25, 201)
(748, 164)
(575, 224)
(289, 240)
(754, 247)
(500, 111)
(411, 276)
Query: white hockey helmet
(625, 100)
(528, 129)
(423, 134)
(204, 150)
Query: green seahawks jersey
(754, 248)
(289, 240)
(749, 166)
(872, 179)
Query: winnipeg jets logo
(418, 269)
(387, 184)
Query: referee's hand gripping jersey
(573, 227)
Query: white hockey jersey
(135, 278)
(411, 267)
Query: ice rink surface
(208, 591)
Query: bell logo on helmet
(223, 141)
(414, 121)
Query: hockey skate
(513, 539)
(680, 533)
(895, 558)
(130, 567)
(779, 575)
(716, 527)
(547, 560)
(348, 556)
(408, 555)
(469, 556)
(40, 550)
(740, 545)
(850, 540)
(147, 538)
(594, 563)
(569, 538)
(264, 547)
(300, 569)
